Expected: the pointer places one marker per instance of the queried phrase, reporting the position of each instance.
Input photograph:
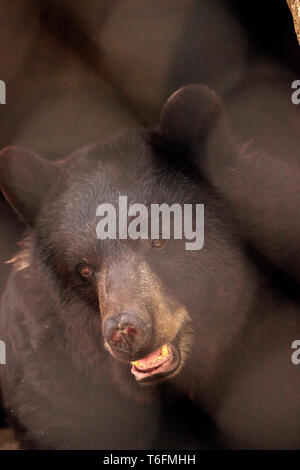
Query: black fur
(61, 388)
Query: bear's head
(167, 312)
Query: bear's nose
(127, 333)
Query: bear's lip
(158, 364)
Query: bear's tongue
(151, 364)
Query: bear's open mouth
(160, 363)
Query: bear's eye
(86, 271)
(158, 243)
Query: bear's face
(160, 304)
(151, 294)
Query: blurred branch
(59, 19)
(295, 9)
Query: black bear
(211, 324)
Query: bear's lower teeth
(164, 352)
(146, 371)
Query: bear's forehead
(122, 161)
(126, 166)
(87, 191)
(136, 172)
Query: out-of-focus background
(79, 71)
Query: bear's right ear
(25, 179)
(194, 119)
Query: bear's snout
(127, 334)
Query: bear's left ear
(25, 179)
(194, 119)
